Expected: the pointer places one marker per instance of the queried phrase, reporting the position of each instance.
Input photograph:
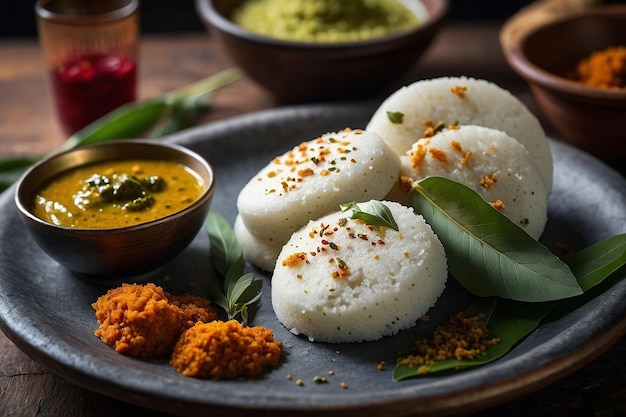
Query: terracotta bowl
(590, 118)
(113, 252)
(299, 71)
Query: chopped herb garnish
(395, 117)
(380, 215)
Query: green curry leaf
(594, 263)
(487, 253)
(237, 290)
(380, 215)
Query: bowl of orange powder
(575, 64)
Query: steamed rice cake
(400, 119)
(341, 280)
(259, 252)
(313, 179)
(489, 161)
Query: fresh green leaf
(380, 215)
(594, 263)
(487, 253)
(237, 291)
(224, 244)
(395, 117)
(183, 115)
(508, 321)
(128, 121)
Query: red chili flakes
(459, 90)
(405, 183)
(417, 157)
(342, 271)
(498, 205)
(466, 157)
(438, 154)
(488, 181)
(295, 259)
(456, 146)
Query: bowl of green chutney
(313, 50)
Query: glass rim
(127, 8)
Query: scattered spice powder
(461, 338)
(604, 69)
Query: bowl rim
(23, 209)
(212, 17)
(537, 75)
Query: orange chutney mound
(145, 321)
(226, 350)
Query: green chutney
(325, 20)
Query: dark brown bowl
(113, 252)
(308, 71)
(587, 117)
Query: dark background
(18, 19)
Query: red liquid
(90, 86)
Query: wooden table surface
(28, 127)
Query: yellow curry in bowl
(116, 194)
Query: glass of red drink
(90, 49)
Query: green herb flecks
(237, 291)
(395, 117)
(155, 117)
(380, 215)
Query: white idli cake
(487, 160)
(423, 106)
(341, 280)
(313, 179)
(258, 252)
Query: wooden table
(28, 127)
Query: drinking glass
(90, 49)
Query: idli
(313, 179)
(489, 161)
(339, 279)
(258, 252)
(427, 105)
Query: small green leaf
(237, 290)
(594, 263)
(380, 215)
(487, 253)
(395, 117)
(224, 244)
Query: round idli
(489, 161)
(313, 179)
(341, 280)
(427, 105)
(258, 252)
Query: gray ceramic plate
(46, 311)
